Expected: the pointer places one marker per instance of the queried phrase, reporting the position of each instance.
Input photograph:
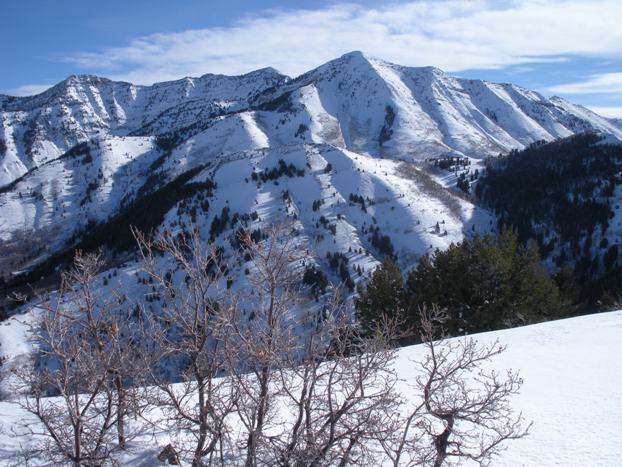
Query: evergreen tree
(382, 296)
(485, 283)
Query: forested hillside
(567, 195)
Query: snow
(570, 392)
(85, 107)
(61, 196)
(337, 111)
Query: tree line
(566, 206)
(483, 283)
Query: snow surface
(571, 392)
(358, 113)
(343, 103)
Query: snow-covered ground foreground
(572, 379)
(572, 390)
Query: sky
(569, 48)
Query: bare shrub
(84, 361)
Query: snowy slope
(362, 115)
(401, 201)
(62, 197)
(570, 391)
(384, 109)
(39, 128)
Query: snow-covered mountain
(379, 108)
(356, 102)
(355, 132)
(40, 128)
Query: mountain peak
(355, 57)
(354, 54)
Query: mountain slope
(82, 161)
(39, 128)
(415, 113)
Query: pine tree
(485, 283)
(382, 296)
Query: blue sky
(571, 48)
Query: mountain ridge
(432, 113)
(365, 133)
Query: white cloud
(453, 35)
(605, 83)
(28, 90)
(606, 111)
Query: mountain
(382, 109)
(343, 150)
(40, 128)
(355, 102)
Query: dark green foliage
(570, 181)
(605, 291)
(338, 262)
(257, 235)
(302, 129)
(611, 257)
(91, 187)
(383, 295)
(358, 199)
(450, 163)
(560, 194)
(29, 137)
(167, 143)
(315, 279)
(79, 150)
(219, 223)
(566, 283)
(289, 170)
(381, 242)
(281, 103)
(386, 131)
(486, 283)
(463, 183)
(2, 147)
(328, 168)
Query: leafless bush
(85, 360)
(465, 410)
(340, 396)
(255, 387)
(192, 332)
(267, 342)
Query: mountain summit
(355, 101)
(339, 149)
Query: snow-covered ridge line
(369, 105)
